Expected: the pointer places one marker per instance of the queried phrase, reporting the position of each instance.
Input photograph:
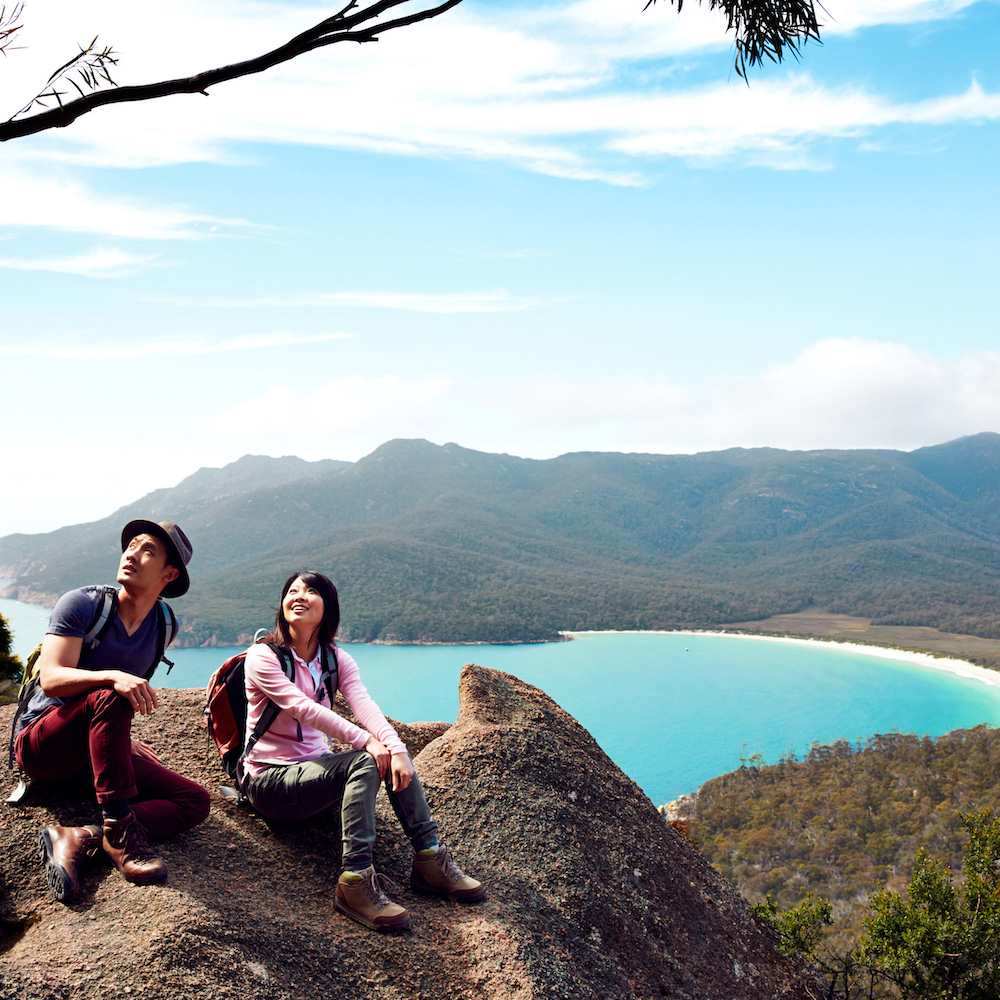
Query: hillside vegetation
(441, 543)
(882, 832)
(847, 819)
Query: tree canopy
(762, 29)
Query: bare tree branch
(763, 28)
(91, 65)
(8, 29)
(351, 24)
(768, 29)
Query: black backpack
(95, 634)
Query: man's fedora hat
(175, 540)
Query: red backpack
(226, 706)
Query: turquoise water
(670, 710)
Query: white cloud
(43, 503)
(165, 348)
(347, 418)
(98, 263)
(43, 198)
(850, 15)
(551, 89)
(776, 119)
(838, 393)
(496, 301)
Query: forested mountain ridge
(444, 543)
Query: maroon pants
(95, 729)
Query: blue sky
(526, 227)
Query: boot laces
(136, 846)
(451, 870)
(377, 886)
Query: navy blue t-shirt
(72, 616)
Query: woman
(292, 774)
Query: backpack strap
(270, 713)
(166, 621)
(167, 634)
(102, 620)
(331, 678)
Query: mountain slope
(444, 543)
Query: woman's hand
(381, 754)
(402, 771)
(140, 749)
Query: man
(81, 716)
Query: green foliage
(800, 928)
(938, 942)
(889, 824)
(765, 29)
(11, 667)
(942, 940)
(847, 818)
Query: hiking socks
(116, 810)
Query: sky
(525, 227)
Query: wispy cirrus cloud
(125, 350)
(46, 199)
(97, 263)
(494, 301)
(850, 15)
(778, 120)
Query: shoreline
(949, 664)
(682, 807)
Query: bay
(672, 710)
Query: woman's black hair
(323, 586)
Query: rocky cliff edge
(591, 894)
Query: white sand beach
(961, 668)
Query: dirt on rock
(591, 894)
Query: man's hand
(137, 691)
(402, 771)
(140, 749)
(60, 677)
(381, 754)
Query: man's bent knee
(108, 702)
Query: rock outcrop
(591, 893)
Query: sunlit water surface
(670, 710)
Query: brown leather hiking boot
(360, 896)
(125, 843)
(434, 871)
(62, 850)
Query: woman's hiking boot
(62, 850)
(360, 895)
(435, 871)
(125, 843)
